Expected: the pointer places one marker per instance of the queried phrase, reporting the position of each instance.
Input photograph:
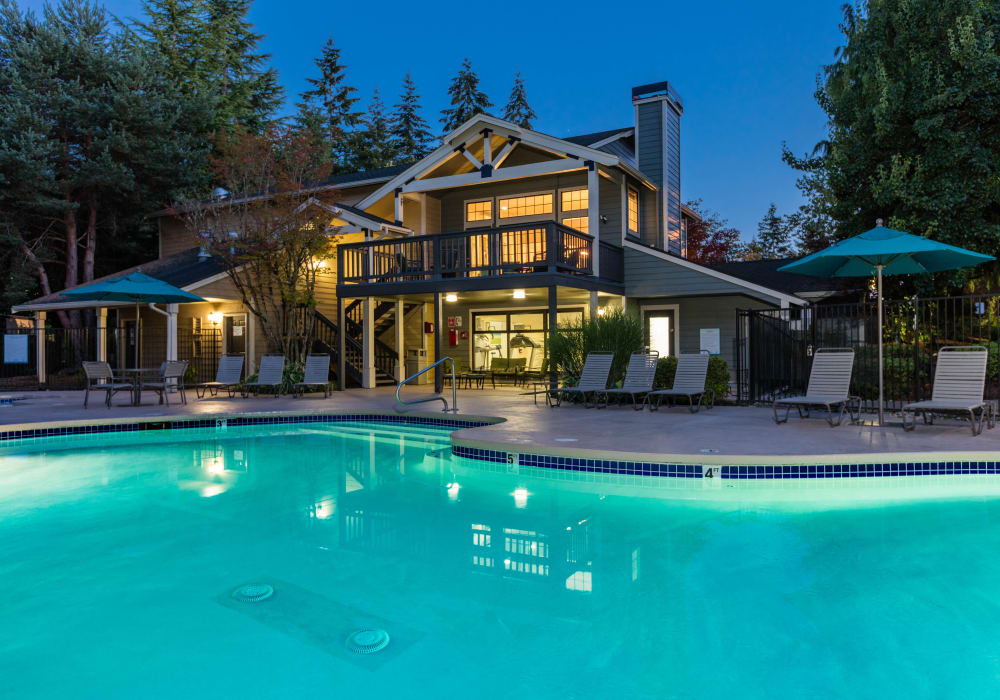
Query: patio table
(135, 375)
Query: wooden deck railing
(522, 249)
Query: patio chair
(227, 377)
(829, 387)
(101, 378)
(317, 374)
(593, 378)
(639, 377)
(169, 370)
(959, 382)
(689, 383)
(270, 374)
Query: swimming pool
(118, 555)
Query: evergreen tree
(328, 106)
(774, 237)
(517, 109)
(409, 130)
(467, 100)
(375, 147)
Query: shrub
(617, 331)
(717, 378)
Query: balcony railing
(523, 249)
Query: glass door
(660, 332)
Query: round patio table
(135, 375)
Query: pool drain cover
(368, 641)
(253, 592)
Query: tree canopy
(517, 109)
(467, 100)
(409, 130)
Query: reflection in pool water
(118, 560)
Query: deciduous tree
(711, 239)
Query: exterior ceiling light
(519, 294)
(451, 297)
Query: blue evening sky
(746, 71)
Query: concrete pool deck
(726, 434)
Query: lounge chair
(227, 377)
(270, 374)
(317, 374)
(959, 381)
(593, 378)
(639, 377)
(829, 387)
(689, 383)
(169, 370)
(101, 378)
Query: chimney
(658, 110)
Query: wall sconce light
(215, 318)
(320, 264)
(519, 294)
(601, 310)
(451, 297)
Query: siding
(610, 207)
(649, 140)
(617, 148)
(174, 237)
(452, 203)
(647, 275)
(672, 186)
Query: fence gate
(774, 347)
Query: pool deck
(726, 434)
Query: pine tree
(409, 130)
(374, 147)
(467, 100)
(774, 239)
(517, 109)
(329, 105)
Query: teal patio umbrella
(136, 287)
(884, 251)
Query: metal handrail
(454, 389)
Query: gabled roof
(600, 137)
(765, 273)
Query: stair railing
(454, 389)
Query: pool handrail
(428, 368)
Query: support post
(341, 345)
(400, 337)
(438, 377)
(368, 343)
(593, 305)
(398, 208)
(553, 324)
(172, 331)
(40, 346)
(102, 334)
(594, 215)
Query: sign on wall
(15, 349)
(710, 341)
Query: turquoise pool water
(117, 557)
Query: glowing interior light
(323, 510)
(519, 294)
(215, 465)
(520, 497)
(453, 491)
(215, 317)
(451, 297)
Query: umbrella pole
(138, 337)
(880, 367)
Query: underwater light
(520, 497)
(453, 491)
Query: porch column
(102, 334)
(341, 346)
(438, 378)
(40, 346)
(553, 324)
(594, 213)
(368, 343)
(172, 331)
(398, 202)
(400, 351)
(593, 305)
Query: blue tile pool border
(735, 472)
(233, 421)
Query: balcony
(543, 247)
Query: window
(479, 211)
(529, 205)
(517, 335)
(577, 222)
(574, 200)
(633, 210)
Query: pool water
(118, 557)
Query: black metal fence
(774, 347)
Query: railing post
(40, 346)
(400, 336)
(436, 257)
(102, 334)
(341, 344)
(553, 246)
(594, 216)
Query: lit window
(579, 581)
(531, 205)
(577, 222)
(479, 211)
(633, 211)
(574, 200)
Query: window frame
(629, 191)
(484, 223)
(563, 190)
(504, 221)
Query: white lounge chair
(101, 378)
(959, 382)
(689, 383)
(270, 374)
(317, 374)
(829, 387)
(593, 378)
(639, 377)
(227, 377)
